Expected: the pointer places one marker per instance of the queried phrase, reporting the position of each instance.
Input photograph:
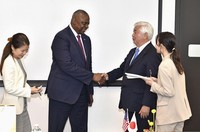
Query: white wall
(110, 28)
(168, 16)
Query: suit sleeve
(118, 72)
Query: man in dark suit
(70, 86)
(134, 95)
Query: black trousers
(77, 114)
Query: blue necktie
(135, 55)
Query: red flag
(125, 121)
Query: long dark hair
(169, 41)
(17, 40)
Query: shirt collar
(74, 32)
(143, 46)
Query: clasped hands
(100, 78)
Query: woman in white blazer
(172, 104)
(14, 80)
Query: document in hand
(135, 76)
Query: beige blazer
(13, 79)
(172, 103)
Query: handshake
(100, 78)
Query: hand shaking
(100, 78)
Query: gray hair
(145, 28)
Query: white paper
(135, 76)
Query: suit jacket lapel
(142, 53)
(74, 41)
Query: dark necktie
(81, 45)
